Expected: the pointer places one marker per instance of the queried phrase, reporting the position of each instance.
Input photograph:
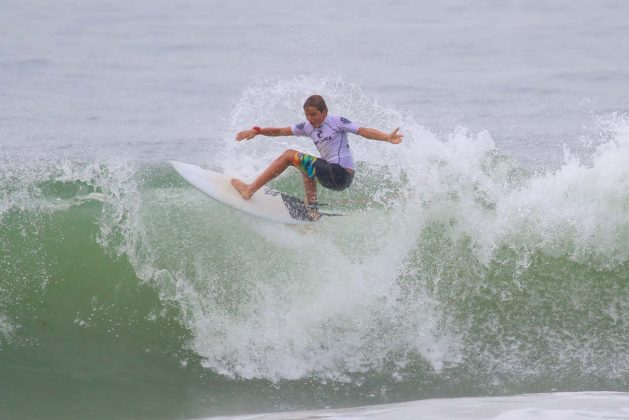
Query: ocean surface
(487, 256)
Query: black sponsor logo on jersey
(301, 126)
(345, 120)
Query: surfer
(333, 170)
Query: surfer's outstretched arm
(373, 134)
(268, 131)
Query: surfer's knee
(289, 155)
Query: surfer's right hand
(246, 135)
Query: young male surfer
(333, 170)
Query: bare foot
(242, 188)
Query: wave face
(455, 272)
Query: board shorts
(330, 175)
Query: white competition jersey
(330, 139)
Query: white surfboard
(267, 203)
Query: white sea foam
(6, 329)
(566, 405)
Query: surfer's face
(314, 116)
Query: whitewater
(480, 270)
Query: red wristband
(257, 129)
